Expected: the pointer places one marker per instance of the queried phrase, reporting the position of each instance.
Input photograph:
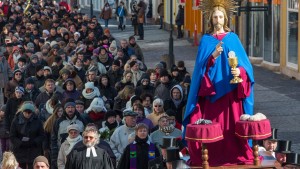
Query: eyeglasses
(157, 106)
(88, 137)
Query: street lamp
(171, 44)
(91, 2)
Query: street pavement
(276, 95)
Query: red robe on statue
(227, 110)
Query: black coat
(110, 93)
(31, 96)
(144, 89)
(105, 146)
(169, 104)
(142, 159)
(26, 151)
(180, 17)
(157, 163)
(12, 106)
(77, 159)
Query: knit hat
(17, 70)
(164, 64)
(46, 32)
(19, 89)
(48, 68)
(22, 59)
(77, 33)
(29, 80)
(159, 66)
(39, 67)
(97, 105)
(174, 69)
(27, 106)
(34, 57)
(187, 79)
(110, 113)
(145, 76)
(116, 62)
(69, 102)
(164, 72)
(79, 102)
(129, 113)
(180, 63)
(53, 43)
(30, 45)
(41, 159)
(89, 85)
(73, 127)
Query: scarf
(16, 58)
(48, 107)
(72, 142)
(78, 68)
(111, 126)
(91, 95)
(176, 102)
(139, 140)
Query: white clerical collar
(89, 150)
(148, 142)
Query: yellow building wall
(192, 17)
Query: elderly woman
(158, 111)
(26, 135)
(66, 147)
(137, 154)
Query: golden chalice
(233, 62)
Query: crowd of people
(74, 96)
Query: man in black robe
(87, 154)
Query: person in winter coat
(59, 132)
(89, 93)
(144, 86)
(70, 91)
(67, 146)
(108, 126)
(180, 21)
(48, 108)
(12, 106)
(123, 97)
(121, 12)
(158, 111)
(96, 111)
(141, 118)
(163, 89)
(13, 58)
(31, 92)
(137, 154)
(50, 90)
(4, 135)
(48, 126)
(107, 91)
(88, 154)
(115, 73)
(10, 86)
(106, 14)
(119, 139)
(126, 81)
(26, 135)
(142, 7)
(160, 11)
(5, 73)
(177, 103)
